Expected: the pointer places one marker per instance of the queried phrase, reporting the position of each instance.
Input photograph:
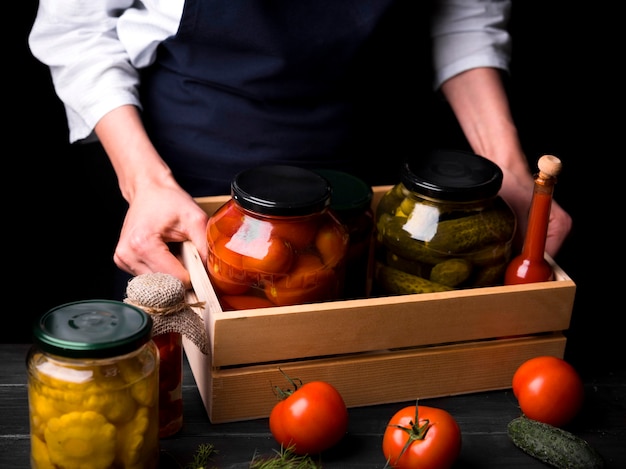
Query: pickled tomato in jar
(276, 242)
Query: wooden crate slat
(394, 376)
(375, 350)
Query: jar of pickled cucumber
(443, 226)
(276, 242)
(93, 384)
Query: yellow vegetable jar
(93, 387)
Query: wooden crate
(376, 350)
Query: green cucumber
(473, 232)
(397, 282)
(552, 445)
(489, 276)
(451, 272)
(407, 265)
(392, 235)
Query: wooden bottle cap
(549, 166)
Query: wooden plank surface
(481, 416)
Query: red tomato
(433, 443)
(222, 258)
(299, 232)
(307, 282)
(226, 286)
(227, 220)
(273, 256)
(331, 242)
(310, 419)
(549, 390)
(225, 269)
(236, 302)
(260, 251)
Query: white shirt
(95, 47)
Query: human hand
(517, 190)
(159, 215)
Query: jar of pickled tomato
(93, 384)
(351, 201)
(170, 345)
(276, 242)
(443, 226)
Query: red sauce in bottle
(531, 265)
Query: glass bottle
(531, 265)
(93, 384)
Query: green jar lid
(350, 195)
(92, 329)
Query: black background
(63, 208)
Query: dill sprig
(284, 459)
(202, 457)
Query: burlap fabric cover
(162, 296)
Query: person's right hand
(159, 210)
(159, 215)
(517, 190)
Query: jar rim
(92, 329)
(281, 190)
(452, 175)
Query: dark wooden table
(481, 416)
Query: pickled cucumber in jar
(444, 224)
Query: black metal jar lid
(92, 329)
(281, 190)
(452, 175)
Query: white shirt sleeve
(94, 49)
(469, 34)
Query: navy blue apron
(245, 82)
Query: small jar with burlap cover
(162, 296)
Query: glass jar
(443, 226)
(93, 383)
(351, 201)
(170, 345)
(275, 242)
